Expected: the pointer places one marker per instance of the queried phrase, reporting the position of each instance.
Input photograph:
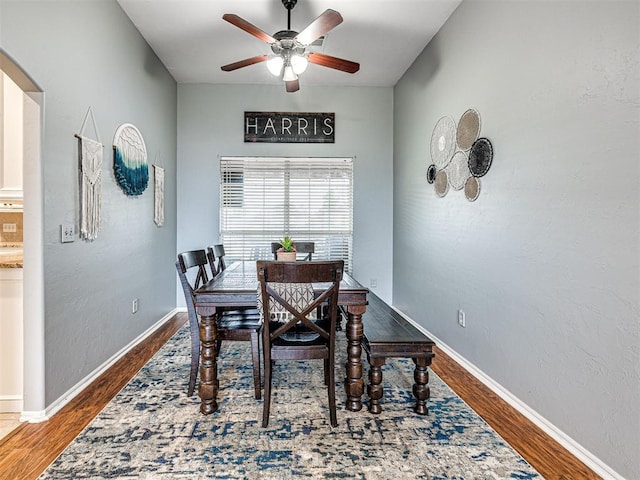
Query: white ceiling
(193, 42)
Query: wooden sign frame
(289, 127)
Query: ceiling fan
(290, 49)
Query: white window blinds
(262, 199)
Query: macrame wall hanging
(90, 163)
(158, 211)
(459, 155)
(130, 160)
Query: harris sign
(289, 127)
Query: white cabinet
(11, 138)
(11, 340)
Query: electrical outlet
(373, 283)
(8, 227)
(134, 305)
(462, 320)
(67, 233)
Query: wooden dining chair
(292, 331)
(211, 258)
(231, 318)
(230, 326)
(308, 248)
(217, 253)
(215, 256)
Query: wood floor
(27, 451)
(546, 455)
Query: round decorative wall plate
(472, 188)
(480, 157)
(431, 173)
(458, 170)
(441, 184)
(443, 142)
(130, 160)
(468, 129)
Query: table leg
(208, 390)
(353, 384)
(421, 388)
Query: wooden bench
(388, 334)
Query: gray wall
(89, 54)
(210, 125)
(545, 262)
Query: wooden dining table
(237, 286)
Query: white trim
(33, 363)
(10, 403)
(586, 457)
(34, 416)
(85, 382)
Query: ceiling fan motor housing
(289, 4)
(286, 42)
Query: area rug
(152, 430)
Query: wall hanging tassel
(90, 153)
(158, 216)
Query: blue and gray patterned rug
(151, 430)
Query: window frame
(261, 190)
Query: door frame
(34, 407)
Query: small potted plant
(287, 251)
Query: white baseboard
(10, 403)
(85, 382)
(34, 416)
(577, 450)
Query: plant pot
(286, 256)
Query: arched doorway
(33, 409)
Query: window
(262, 199)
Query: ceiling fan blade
(321, 25)
(248, 27)
(293, 86)
(333, 62)
(244, 63)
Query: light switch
(8, 227)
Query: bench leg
(420, 388)
(374, 389)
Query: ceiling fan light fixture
(274, 64)
(299, 63)
(289, 75)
